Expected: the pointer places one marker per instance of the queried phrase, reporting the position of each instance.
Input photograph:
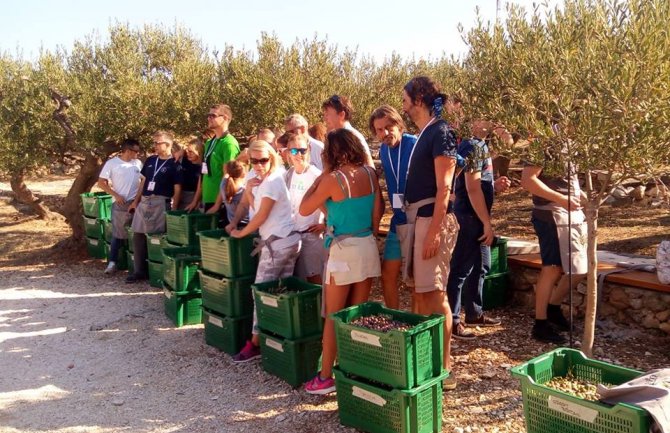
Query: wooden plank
(644, 280)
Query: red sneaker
(248, 353)
(318, 386)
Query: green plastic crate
(155, 274)
(494, 293)
(95, 248)
(93, 228)
(224, 255)
(228, 296)
(400, 359)
(97, 205)
(155, 245)
(294, 361)
(130, 261)
(122, 259)
(182, 308)
(130, 232)
(547, 410)
(107, 230)
(294, 314)
(227, 334)
(499, 257)
(180, 268)
(377, 409)
(182, 226)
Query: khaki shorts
(432, 274)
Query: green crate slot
(180, 268)
(224, 255)
(97, 204)
(182, 308)
(294, 361)
(155, 244)
(400, 359)
(182, 226)
(228, 296)
(494, 292)
(95, 248)
(155, 274)
(377, 409)
(227, 334)
(499, 257)
(130, 232)
(93, 228)
(294, 314)
(122, 259)
(107, 230)
(547, 410)
(130, 261)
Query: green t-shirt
(224, 150)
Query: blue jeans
(470, 263)
(114, 248)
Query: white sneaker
(111, 268)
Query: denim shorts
(392, 247)
(547, 236)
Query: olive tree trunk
(24, 195)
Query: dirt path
(81, 352)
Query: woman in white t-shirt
(299, 178)
(269, 197)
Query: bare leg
(390, 272)
(563, 288)
(336, 299)
(315, 279)
(548, 277)
(436, 302)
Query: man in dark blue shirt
(471, 260)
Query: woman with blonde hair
(280, 243)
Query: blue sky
(424, 28)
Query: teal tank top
(351, 217)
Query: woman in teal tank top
(349, 191)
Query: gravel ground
(81, 352)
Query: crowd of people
(313, 199)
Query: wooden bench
(640, 279)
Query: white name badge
(203, 170)
(398, 200)
(151, 186)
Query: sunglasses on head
(335, 99)
(296, 151)
(261, 161)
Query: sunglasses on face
(160, 142)
(261, 161)
(296, 151)
(212, 115)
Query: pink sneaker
(248, 353)
(318, 386)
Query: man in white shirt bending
(337, 112)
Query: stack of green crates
(226, 275)
(548, 410)
(389, 381)
(289, 318)
(156, 243)
(97, 208)
(495, 293)
(181, 284)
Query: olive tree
(588, 83)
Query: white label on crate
(364, 337)
(167, 293)
(215, 321)
(572, 409)
(155, 241)
(90, 221)
(267, 300)
(276, 345)
(368, 396)
(93, 241)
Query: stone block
(665, 327)
(607, 310)
(654, 303)
(619, 296)
(650, 322)
(635, 293)
(636, 304)
(663, 315)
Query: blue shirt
(164, 173)
(475, 152)
(396, 174)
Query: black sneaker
(484, 321)
(542, 331)
(134, 278)
(556, 318)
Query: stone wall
(622, 304)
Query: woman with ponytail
(231, 190)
